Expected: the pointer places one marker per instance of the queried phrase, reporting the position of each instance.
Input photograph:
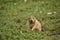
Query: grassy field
(46, 11)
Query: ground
(15, 13)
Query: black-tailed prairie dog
(33, 23)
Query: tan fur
(34, 23)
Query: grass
(46, 11)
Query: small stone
(25, 0)
(14, 3)
(40, 11)
(54, 12)
(49, 13)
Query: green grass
(13, 10)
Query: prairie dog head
(32, 19)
